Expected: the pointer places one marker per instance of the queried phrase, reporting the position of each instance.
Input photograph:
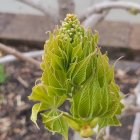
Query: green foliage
(2, 74)
(74, 69)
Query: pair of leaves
(82, 103)
(39, 93)
(94, 101)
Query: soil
(15, 108)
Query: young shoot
(75, 70)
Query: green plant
(74, 69)
(2, 74)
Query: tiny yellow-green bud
(86, 131)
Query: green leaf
(79, 74)
(2, 74)
(68, 52)
(39, 93)
(55, 123)
(95, 39)
(104, 100)
(96, 105)
(56, 61)
(91, 68)
(84, 103)
(56, 91)
(73, 123)
(54, 82)
(49, 78)
(119, 109)
(113, 87)
(50, 116)
(60, 100)
(71, 69)
(36, 109)
(86, 48)
(110, 74)
(103, 69)
(61, 76)
(113, 105)
(94, 122)
(113, 121)
(65, 58)
(77, 52)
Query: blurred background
(23, 27)
(15, 6)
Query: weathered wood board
(31, 28)
(114, 34)
(119, 34)
(24, 27)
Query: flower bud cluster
(71, 27)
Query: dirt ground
(15, 108)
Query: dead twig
(136, 127)
(124, 65)
(10, 58)
(130, 106)
(94, 19)
(130, 110)
(23, 82)
(132, 7)
(37, 4)
(9, 50)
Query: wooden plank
(119, 34)
(135, 37)
(31, 28)
(114, 34)
(24, 27)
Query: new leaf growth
(75, 70)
